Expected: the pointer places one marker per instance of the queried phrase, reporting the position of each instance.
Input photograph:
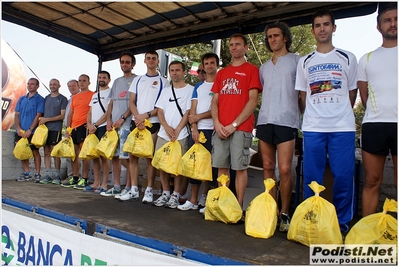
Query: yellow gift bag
(107, 145)
(261, 214)
(89, 151)
(22, 150)
(64, 148)
(378, 228)
(139, 142)
(167, 158)
(39, 138)
(315, 221)
(196, 163)
(221, 204)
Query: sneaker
(82, 183)
(38, 178)
(24, 177)
(187, 206)
(56, 180)
(70, 183)
(202, 211)
(161, 201)
(46, 180)
(110, 192)
(202, 201)
(124, 191)
(284, 222)
(173, 202)
(148, 197)
(129, 196)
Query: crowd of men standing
(321, 85)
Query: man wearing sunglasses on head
(119, 117)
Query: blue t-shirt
(28, 109)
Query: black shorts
(154, 129)
(17, 138)
(380, 138)
(53, 138)
(100, 131)
(275, 134)
(79, 134)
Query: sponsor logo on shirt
(325, 67)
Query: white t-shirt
(167, 103)
(203, 94)
(147, 90)
(96, 110)
(327, 80)
(380, 70)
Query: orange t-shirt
(80, 105)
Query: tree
(359, 111)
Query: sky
(50, 58)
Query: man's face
(54, 86)
(276, 39)
(237, 47)
(126, 64)
(103, 80)
(73, 87)
(201, 73)
(323, 29)
(176, 72)
(151, 61)
(32, 86)
(389, 25)
(83, 82)
(210, 65)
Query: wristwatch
(149, 114)
(234, 124)
(123, 118)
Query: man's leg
(241, 185)
(133, 170)
(105, 164)
(285, 154)
(47, 158)
(96, 173)
(268, 152)
(373, 168)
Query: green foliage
(359, 111)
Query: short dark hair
(285, 30)
(37, 81)
(88, 78)
(127, 53)
(105, 72)
(151, 52)
(210, 55)
(321, 13)
(174, 62)
(384, 7)
(240, 35)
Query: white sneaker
(173, 202)
(187, 206)
(161, 201)
(129, 196)
(202, 201)
(202, 211)
(148, 197)
(124, 191)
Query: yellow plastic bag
(221, 204)
(196, 163)
(378, 228)
(139, 142)
(88, 151)
(107, 145)
(167, 158)
(261, 214)
(315, 221)
(22, 150)
(64, 149)
(39, 138)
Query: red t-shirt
(80, 104)
(233, 84)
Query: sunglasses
(125, 62)
(200, 71)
